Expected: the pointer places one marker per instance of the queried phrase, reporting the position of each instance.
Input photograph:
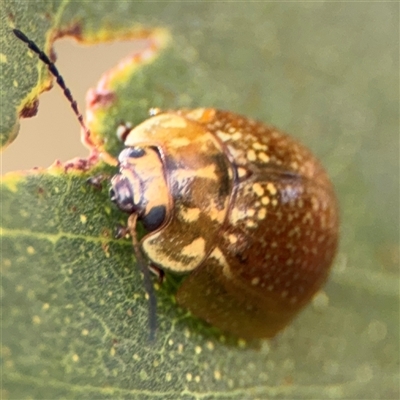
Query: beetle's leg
(97, 180)
(148, 284)
(123, 130)
(158, 272)
(121, 231)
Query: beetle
(241, 208)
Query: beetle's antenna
(54, 71)
(148, 284)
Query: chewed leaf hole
(54, 132)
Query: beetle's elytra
(244, 210)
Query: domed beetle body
(242, 208)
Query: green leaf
(73, 304)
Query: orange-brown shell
(273, 248)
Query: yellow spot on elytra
(168, 376)
(314, 204)
(250, 224)
(46, 306)
(258, 189)
(294, 165)
(232, 239)
(207, 172)
(255, 281)
(30, 250)
(217, 375)
(75, 358)
(237, 135)
(15, 83)
(262, 213)
(190, 214)
(36, 320)
(218, 255)
(251, 155)
(85, 332)
(223, 136)
(263, 157)
(274, 202)
(179, 142)
(197, 349)
(271, 188)
(237, 215)
(197, 378)
(196, 248)
(189, 377)
(251, 212)
(314, 250)
(3, 58)
(215, 214)
(241, 172)
(265, 200)
(259, 146)
(83, 218)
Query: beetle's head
(140, 186)
(125, 189)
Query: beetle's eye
(135, 152)
(131, 152)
